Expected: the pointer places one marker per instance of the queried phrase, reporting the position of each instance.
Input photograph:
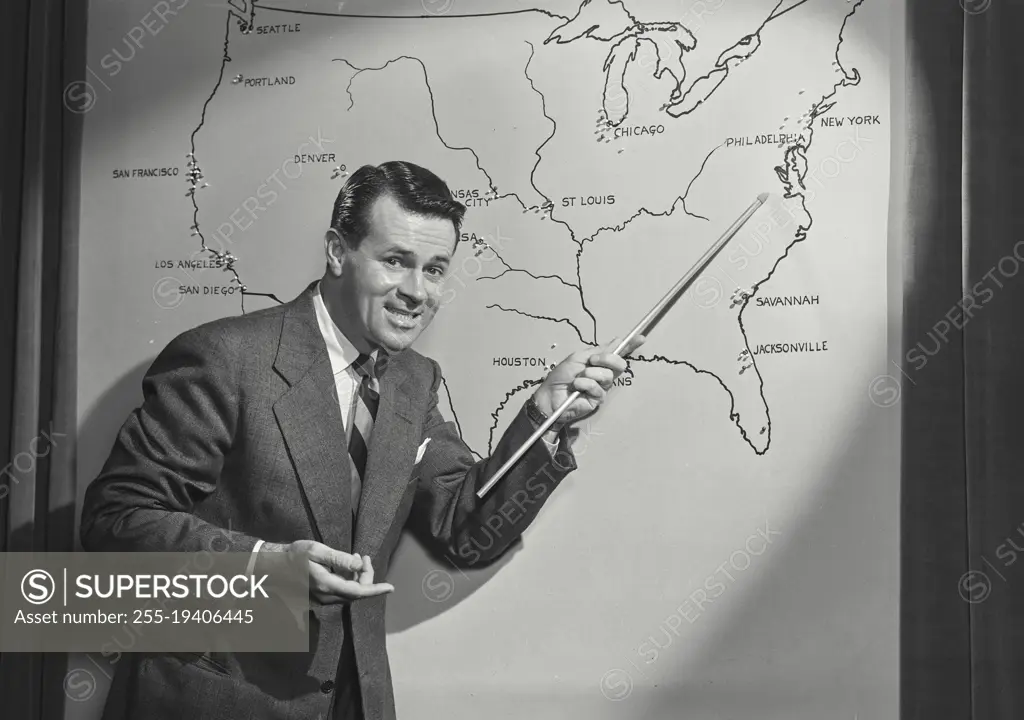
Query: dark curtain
(962, 599)
(42, 47)
(994, 386)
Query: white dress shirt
(343, 354)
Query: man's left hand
(592, 371)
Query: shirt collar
(340, 349)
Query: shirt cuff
(551, 446)
(252, 558)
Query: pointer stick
(649, 321)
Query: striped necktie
(366, 401)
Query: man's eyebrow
(406, 252)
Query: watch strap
(538, 417)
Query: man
(312, 429)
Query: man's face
(390, 283)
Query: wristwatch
(538, 417)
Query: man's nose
(413, 287)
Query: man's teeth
(403, 318)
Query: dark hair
(414, 188)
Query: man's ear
(334, 250)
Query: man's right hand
(334, 576)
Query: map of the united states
(600, 148)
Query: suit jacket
(240, 437)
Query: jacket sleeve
(168, 456)
(469, 530)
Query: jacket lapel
(310, 421)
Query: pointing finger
(338, 589)
(354, 591)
